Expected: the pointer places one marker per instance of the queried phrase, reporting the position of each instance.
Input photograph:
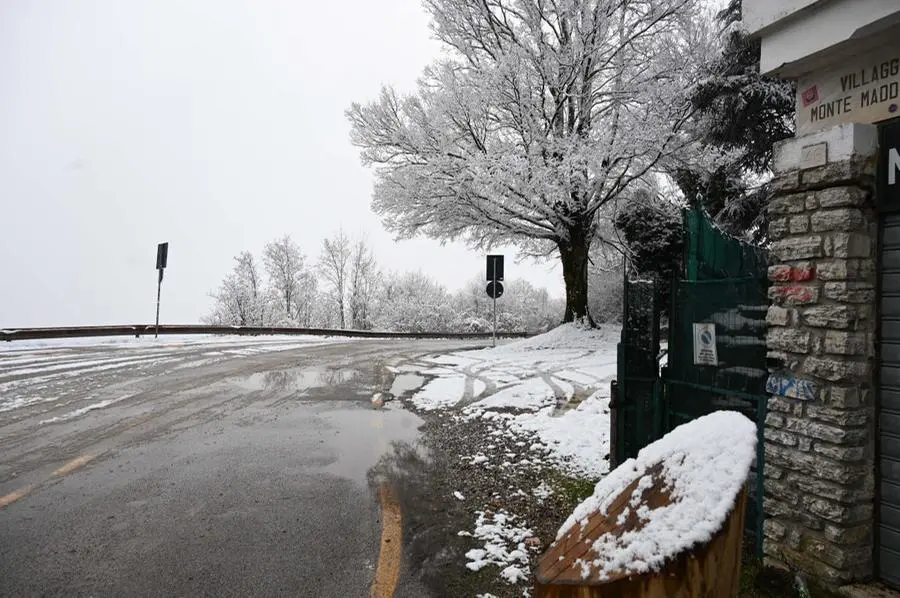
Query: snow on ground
(705, 463)
(549, 393)
(441, 392)
(577, 439)
(568, 337)
(530, 395)
(165, 341)
(502, 543)
(44, 371)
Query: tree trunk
(574, 256)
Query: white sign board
(812, 156)
(705, 352)
(863, 90)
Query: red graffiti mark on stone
(795, 294)
(803, 274)
(788, 273)
(780, 273)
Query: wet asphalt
(247, 476)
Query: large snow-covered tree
(539, 115)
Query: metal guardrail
(138, 330)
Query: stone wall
(820, 429)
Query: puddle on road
(366, 435)
(297, 379)
(432, 516)
(405, 383)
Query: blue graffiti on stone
(786, 385)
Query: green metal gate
(723, 289)
(637, 418)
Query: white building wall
(801, 35)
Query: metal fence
(723, 288)
(139, 330)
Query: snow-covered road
(189, 467)
(65, 373)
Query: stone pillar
(820, 428)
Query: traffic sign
(494, 289)
(162, 258)
(495, 267)
(162, 255)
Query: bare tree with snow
(413, 302)
(286, 268)
(334, 266)
(305, 304)
(240, 300)
(541, 114)
(363, 282)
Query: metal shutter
(888, 549)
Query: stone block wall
(820, 428)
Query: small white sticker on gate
(705, 352)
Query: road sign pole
(162, 258)
(494, 344)
(158, 295)
(494, 280)
(494, 288)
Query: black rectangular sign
(162, 255)
(495, 267)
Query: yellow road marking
(14, 496)
(64, 470)
(73, 465)
(391, 552)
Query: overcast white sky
(216, 125)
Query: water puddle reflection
(405, 383)
(366, 435)
(297, 379)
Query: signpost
(495, 286)
(162, 258)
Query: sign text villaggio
(866, 90)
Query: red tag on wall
(810, 95)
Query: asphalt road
(198, 472)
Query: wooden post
(710, 570)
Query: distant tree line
(346, 288)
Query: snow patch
(531, 395)
(570, 337)
(542, 492)
(16, 403)
(504, 545)
(441, 392)
(83, 410)
(578, 439)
